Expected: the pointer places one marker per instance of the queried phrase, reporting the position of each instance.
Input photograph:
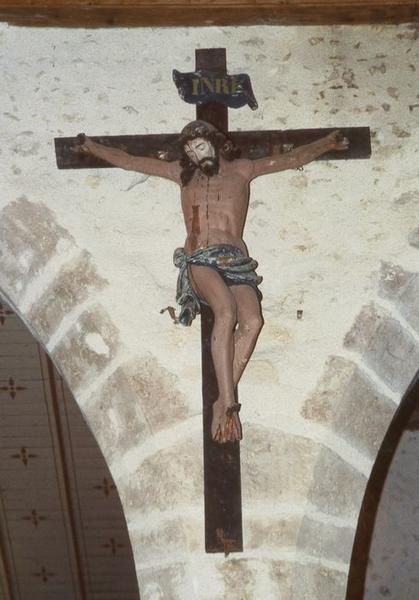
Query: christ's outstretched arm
(300, 156)
(124, 160)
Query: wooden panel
(111, 13)
(44, 511)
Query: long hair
(201, 129)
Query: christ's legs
(210, 287)
(249, 324)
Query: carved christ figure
(215, 267)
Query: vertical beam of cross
(222, 482)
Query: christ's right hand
(85, 144)
(337, 141)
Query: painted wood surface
(137, 13)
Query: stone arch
(151, 437)
(373, 493)
(356, 400)
(130, 403)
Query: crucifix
(217, 277)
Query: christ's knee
(252, 326)
(226, 316)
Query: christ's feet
(225, 426)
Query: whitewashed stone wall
(85, 257)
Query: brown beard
(188, 168)
(209, 166)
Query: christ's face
(202, 153)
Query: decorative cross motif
(113, 545)
(34, 518)
(4, 312)
(106, 486)
(43, 574)
(24, 456)
(12, 388)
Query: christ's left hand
(338, 141)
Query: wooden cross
(222, 481)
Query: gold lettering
(208, 83)
(219, 86)
(225, 86)
(234, 85)
(195, 87)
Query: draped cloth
(230, 262)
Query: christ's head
(203, 154)
(202, 144)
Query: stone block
(29, 237)
(167, 540)
(402, 288)
(118, 423)
(276, 466)
(157, 391)
(308, 582)
(298, 581)
(364, 328)
(87, 349)
(170, 582)
(336, 488)
(170, 477)
(385, 346)
(73, 284)
(140, 398)
(280, 573)
(347, 401)
(271, 532)
(325, 540)
(240, 579)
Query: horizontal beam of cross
(134, 13)
(253, 144)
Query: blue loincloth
(230, 262)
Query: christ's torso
(214, 208)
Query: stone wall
(85, 258)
